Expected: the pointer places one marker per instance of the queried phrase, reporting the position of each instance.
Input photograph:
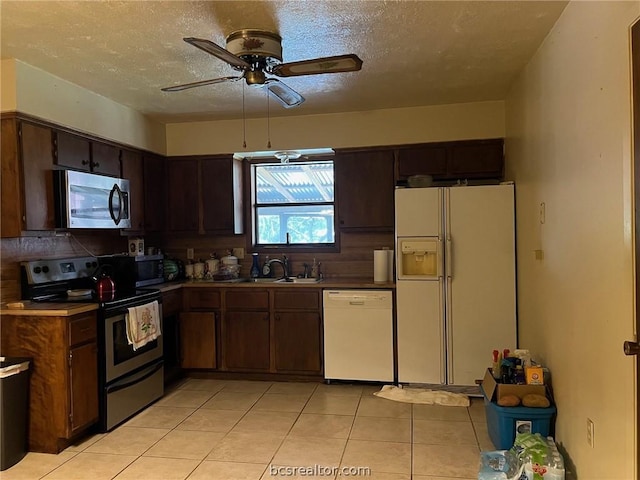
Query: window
(293, 204)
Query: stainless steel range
(128, 379)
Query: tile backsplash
(16, 250)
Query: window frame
(252, 226)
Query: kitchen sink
(299, 280)
(229, 280)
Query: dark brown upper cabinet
(364, 183)
(221, 195)
(466, 159)
(183, 202)
(80, 153)
(155, 192)
(205, 194)
(27, 182)
(132, 170)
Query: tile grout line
(288, 431)
(355, 414)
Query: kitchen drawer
(297, 299)
(82, 329)
(243, 299)
(172, 302)
(202, 299)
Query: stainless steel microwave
(87, 200)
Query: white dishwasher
(358, 335)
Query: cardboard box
(494, 391)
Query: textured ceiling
(414, 52)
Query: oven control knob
(37, 270)
(45, 269)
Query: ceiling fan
(258, 53)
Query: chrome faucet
(285, 265)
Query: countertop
(28, 308)
(358, 283)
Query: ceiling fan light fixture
(255, 77)
(287, 155)
(255, 42)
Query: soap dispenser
(255, 267)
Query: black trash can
(14, 409)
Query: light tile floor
(241, 430)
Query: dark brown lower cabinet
(246, 341)
(198, 339)
(63, 385)
(83, 362)
(298, 342)
(259, 330)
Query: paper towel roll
(380, 266)
(391, 262)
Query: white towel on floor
(418, 395)
(143, 324)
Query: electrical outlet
(239, 253)
(189, 253)
(590, 432)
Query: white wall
(568, 145)
(35, 92)
(353, 129)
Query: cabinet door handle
(85, 162)
(95, 165)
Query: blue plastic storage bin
(502, 422)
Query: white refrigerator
(455, 281)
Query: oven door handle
(119, 386)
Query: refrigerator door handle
(449, 333)
(444, 335)
(448, 261)
(439, 259)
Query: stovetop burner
(53, 280)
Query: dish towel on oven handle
(143, 324)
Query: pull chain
(268, 121)
(244, 127)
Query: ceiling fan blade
(218, 51)
(287, 95)
(202, 83)
(340, 63)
